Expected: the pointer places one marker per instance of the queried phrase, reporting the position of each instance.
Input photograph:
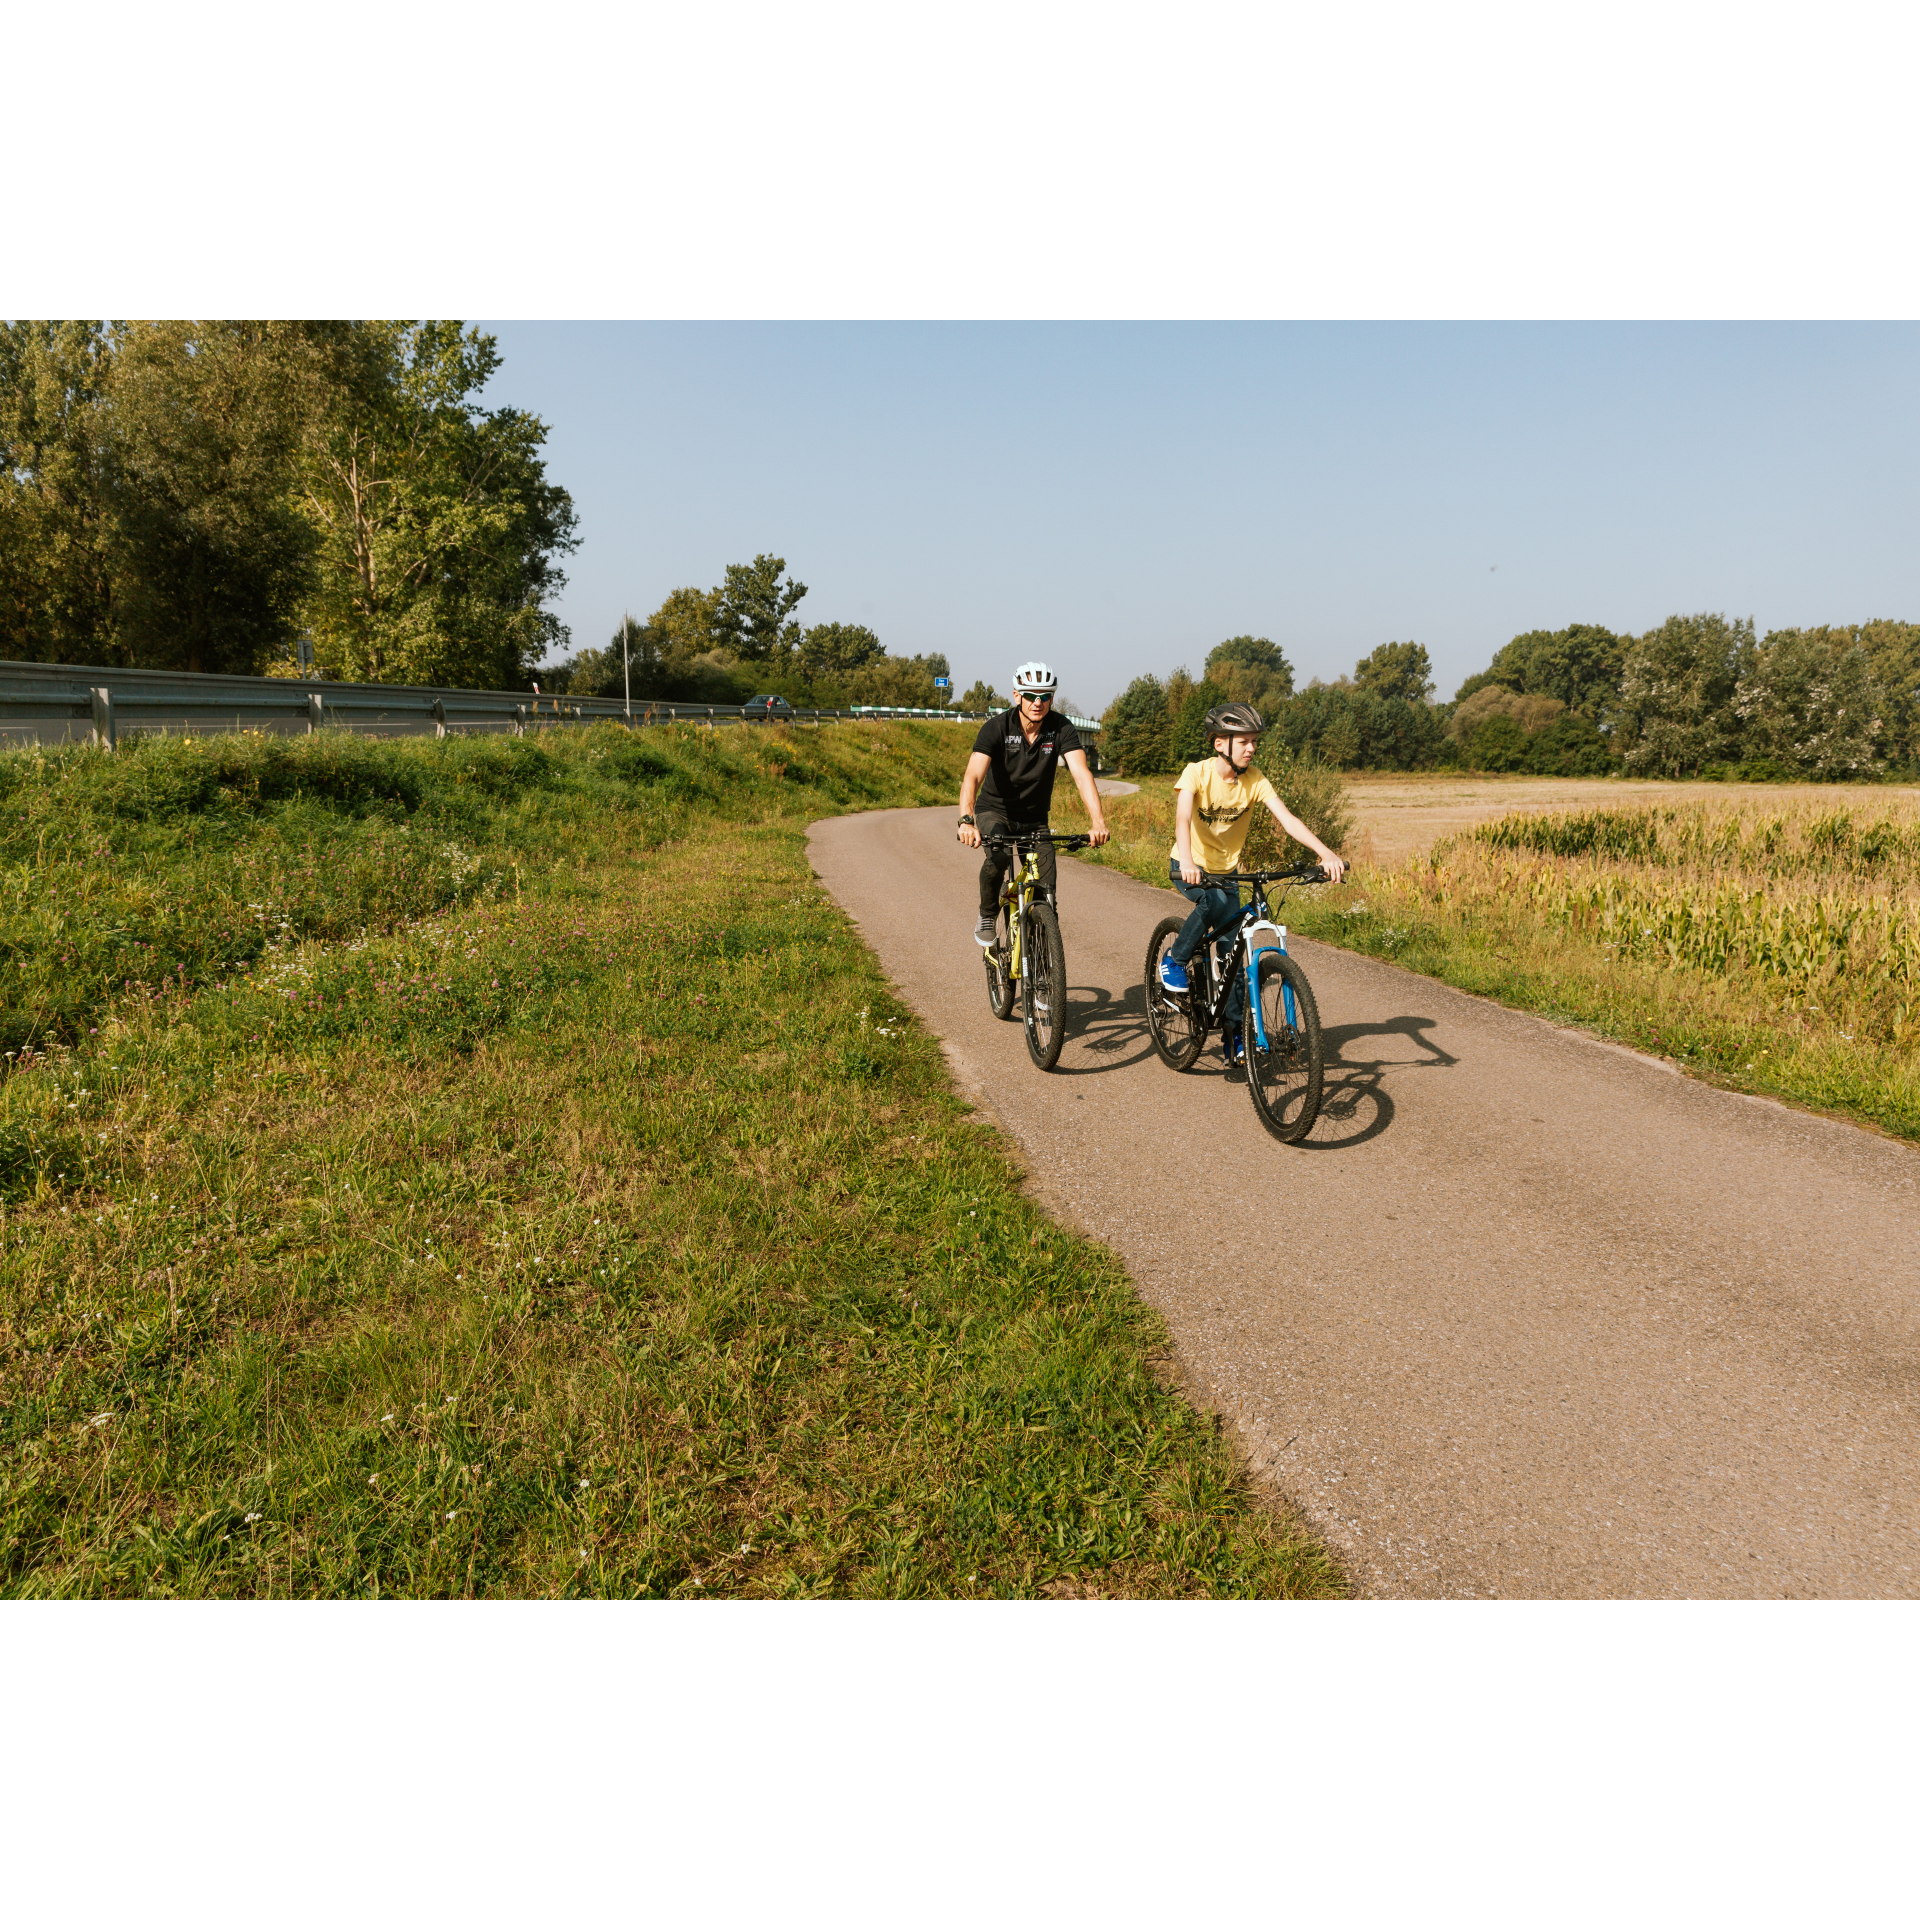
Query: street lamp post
(626, 665)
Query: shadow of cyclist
(1111, 1027)
(1355, 1106)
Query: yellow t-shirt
(1222, 811)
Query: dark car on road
(766, 706)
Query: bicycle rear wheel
(1000, 993)
(1045, 996)
(1284, 1077)
(1176, 1024)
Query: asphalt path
(1528, 1315)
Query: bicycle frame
(1256, 919)
(1017, 893)
(1021, 888)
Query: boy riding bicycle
(1014, 758)
(1217, 796)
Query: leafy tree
(438, 528)
(1256, 671)
(1188, 735)
(56, 509)
(1579, 666)
(981, 698)
(639, 649)
(1892, 648)
(1345, 726)
(1533, 712)
(1500, 745)
(1676, 697)
(1340, 743)
(1396, 670)
(1806, 699)
(752, 617)
(212, 552)
(832, 650)
(604, 673)
(685, 622)
(1136, 729)
(1531, 733)
(188, 494)
(1573, 744)
(890, 680)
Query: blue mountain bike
(1280, 1025)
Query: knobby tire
(1285, 1081)
(1178, 1027)
(1045, 995)
(1000, 993)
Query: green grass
(579, 1215)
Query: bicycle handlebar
(1041, 836)
(1309, 873)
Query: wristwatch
(966, 820)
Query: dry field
(1398, 815)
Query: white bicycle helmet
(1036, 677)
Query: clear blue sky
(1116, 498)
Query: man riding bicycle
(1015, 756)
(1213, 816)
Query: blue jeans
(1216, 914)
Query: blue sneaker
(1173, 976)
(1233, 1045)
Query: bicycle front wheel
(1045, 983)
(1178, 1027)
(1284, 1076)
(1000, 993)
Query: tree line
(1697, 697)
(726, 643)
(208, 496)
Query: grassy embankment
(493, 1167)
(1767, 941)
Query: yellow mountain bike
(1027, 960)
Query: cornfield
(1816, 908)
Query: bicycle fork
(1253, 951)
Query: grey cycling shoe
(983, 930)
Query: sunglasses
(1039, 699)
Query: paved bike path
(1528, 1315)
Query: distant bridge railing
(61, 705)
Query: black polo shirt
(1019, 780)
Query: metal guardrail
(44, 705)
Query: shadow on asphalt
(1355, 1107)
(1113, 1027)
